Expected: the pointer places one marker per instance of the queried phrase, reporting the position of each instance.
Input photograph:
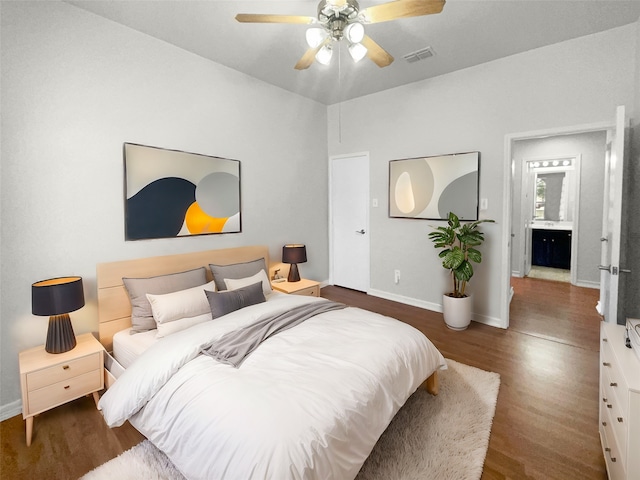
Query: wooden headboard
(114, 308)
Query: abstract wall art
(431, 187)
(170, 193)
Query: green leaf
(464, 271)
(454, 222)
(474, 255)
(453, 258)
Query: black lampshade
(57, 297)
(294, 254)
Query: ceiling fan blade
(307, 59)
(376, 53)
(401, 9)
(309, 56)
(266, 18)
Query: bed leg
(431, 384)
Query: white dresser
(619, 404)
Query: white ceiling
(466, 33)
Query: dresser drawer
(310, 291)
(63, 371)
(615, 418)
(65, 391)
(615, 379)
(615, 467)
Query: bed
(307, 403)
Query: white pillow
(233, 283)
(180, 310)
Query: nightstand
(303, 287)
(49, 380)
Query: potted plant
(457, 242)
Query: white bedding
(127, 347)
(310, 402)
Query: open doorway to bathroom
(557, 201)
(557, 205)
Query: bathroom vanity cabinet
(551, 248)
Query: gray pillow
(137, 288)
(222, 303)
(235, 271)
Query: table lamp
(57, 297)
(294, 254)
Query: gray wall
(631, 209)
(571, 83)
(75, 86)
(592, 147)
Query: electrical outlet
(396, 276)
(374, 203)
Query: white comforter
(309, 403)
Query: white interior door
(612, 221)
(350, 221)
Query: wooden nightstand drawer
(311, 291)
(303, 287)
(62, 392)
(62, 371)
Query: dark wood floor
(546, 422)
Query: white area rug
(443, 437)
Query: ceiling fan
(338, 19)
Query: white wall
(591, 147)
(74, 88)
(572, 83)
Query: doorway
(349, 220)
(546, 144)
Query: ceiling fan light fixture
(354, 32)
(315, 36)
(324, 55)
(357, 51)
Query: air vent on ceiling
(418, 55)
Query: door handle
(604, 239)
(361, 232)
(603, 267)
(624, 270)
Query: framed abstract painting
(431, 187)
(170, 193)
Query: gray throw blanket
(233, 347)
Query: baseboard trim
(434, 307)
(588, 284)
(10, 410)
(414, 302)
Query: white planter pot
(457, 311)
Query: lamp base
(294, 275)
(60, 336)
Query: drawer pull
(606, 364)
(605, 340)
(620, 419)
(613, 384)
(65, 367)
(66, 387)
(608, 450)
(609, 405)
(604, 424)
(604, 399)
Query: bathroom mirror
(552, 189)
